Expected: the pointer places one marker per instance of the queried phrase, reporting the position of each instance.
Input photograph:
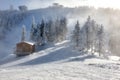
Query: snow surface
(59, 62)
(115, 58)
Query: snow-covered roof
(31, 43)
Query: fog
(35, 4)
(107, 16)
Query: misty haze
(57, 39)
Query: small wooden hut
(24, 48)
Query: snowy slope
(13, 36)
(73, 14)
(61, 71)
(59, 62)
(53, 62)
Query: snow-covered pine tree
(101, 40)
(38, 32)
(92, 37)
(89, 34)
(43, 32)
(58, 30)
(50, 31)
(33, 30)
(63, 27)
(86, 30)
(23, 34)
(76, 35)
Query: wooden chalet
(24, 48)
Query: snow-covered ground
(59, 62)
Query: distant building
(24, 48)
(23, 8)
(56, 5)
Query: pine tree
(38, 34)
(92, 35)
(33, 30)
(50, 31)
(101, 40)
(23, 34)
(63, 26)
(43, 32)
(88, 32)
(58, 30)
(76, 34)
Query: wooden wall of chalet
(24, 48)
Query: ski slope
(59, 62)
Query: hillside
(12, 21)
(59, 62)
(62, 41)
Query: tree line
(90, 37)
(48, 31)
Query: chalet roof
(31, 43)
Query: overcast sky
(34, 4)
